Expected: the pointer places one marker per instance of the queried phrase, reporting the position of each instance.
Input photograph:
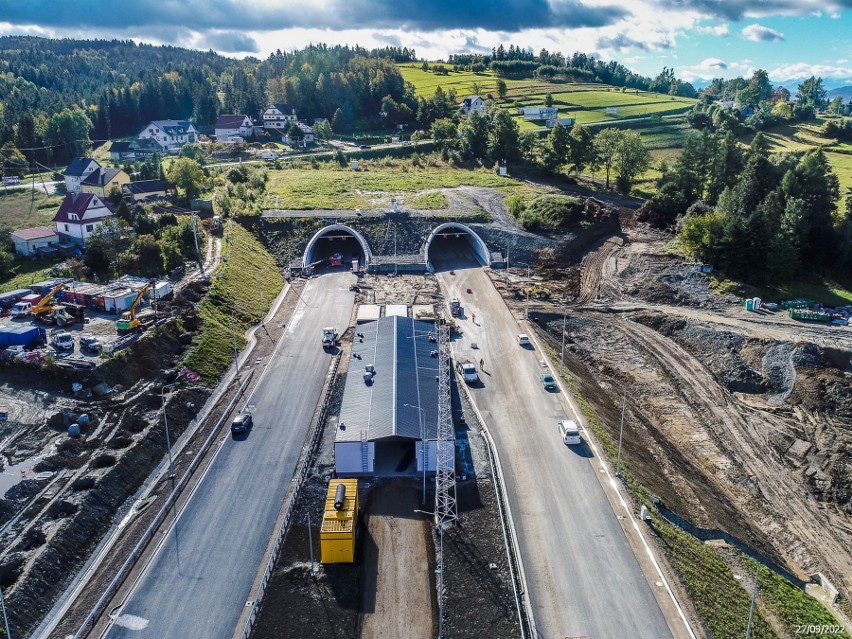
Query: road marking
(616, 486)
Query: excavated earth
(736, 421)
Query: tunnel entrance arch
(455, 229)
(337, 238)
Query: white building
(279, 116)
(77, 171)
(539, 113)
(28, 241)
(473, 103)
(233, 126)
(170, 134)
(563, 121)
(389, 416)
(79, 215)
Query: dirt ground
(735, 420)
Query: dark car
(241, 424)
(364, 146)
(90, 343)
(547, 381)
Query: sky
(699, 39)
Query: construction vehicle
(335, 260)
(128, 320)
(330, 338)
(455, 307)
(44, 305)
(64, 315)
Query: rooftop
(34, 233)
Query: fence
(149, 533)
(304, 466)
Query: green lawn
(331, 187)
(18, 210)
(823, 291)
(25, 273)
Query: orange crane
(44, 305)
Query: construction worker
(481, 364)
(473, 317)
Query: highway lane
(197, 585)
(583, 578)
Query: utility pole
(562, 351)
(236, 355)
(753, 602)
(620, 435)
(166, 426)
(197, 251)
(394, 251)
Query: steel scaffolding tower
(445, 478)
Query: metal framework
(445, 478)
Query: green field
(331, 187)
(586, 102)
(18, 210)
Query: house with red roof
(79, 215)
(28, 241)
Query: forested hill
(58, 93)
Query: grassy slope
(18, 210)
(331, 187)
(246, 270)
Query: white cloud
(720, 30)
(710, 68)
(759, 33)
(801, 70)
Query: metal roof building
(390, 400)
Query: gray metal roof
(400, 349)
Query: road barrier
(516, 567)
(149, 533)
(283, 527)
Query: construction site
(731, 425)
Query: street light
(527, 309)
(166, 425)
(422, 446)
(620, 435)
(562, 352)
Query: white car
(467, 369)
(62, 341)
(524, 339)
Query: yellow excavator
(128, 321)
(44, 305)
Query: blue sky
(700, 39)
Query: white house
(557, 120)
(79, 215)
(539, 113)
(307, 132)
(279, 116)
(170, 134)
(233, 126)
(78, 171)
(28, 241)
(473, 103)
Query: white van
(570, 432)
(22, 309)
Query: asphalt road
(583, 578)
(197, 585)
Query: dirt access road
(397, 584)
(736, 442)
(582, 576)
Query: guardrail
(142, 544)
(283, 527)
(516, 568)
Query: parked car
(547, 381)
(241, 424)
(63, 341)
(569, 432)
(467, 369)
(22, 309)
(363, 146)
(406, 143)
(524, 339)
(90, 343)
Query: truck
(65, 315)
(335, 260)
(467, 370)
(17, 335)
(455, 307)
(330, 338)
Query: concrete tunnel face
(454, 244)
(337, 239)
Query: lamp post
(620, 435)
(562, 352)
(422, 446)
(166, 425)
(527, 301)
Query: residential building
(307, 133)
(233, 126)
(77, 171)
(134, 149)
(79, 215)
(539, 113)
(279, 116)
(104, 181)
(28, 241)
(473, 103)
(170, 135)
(148, 190)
